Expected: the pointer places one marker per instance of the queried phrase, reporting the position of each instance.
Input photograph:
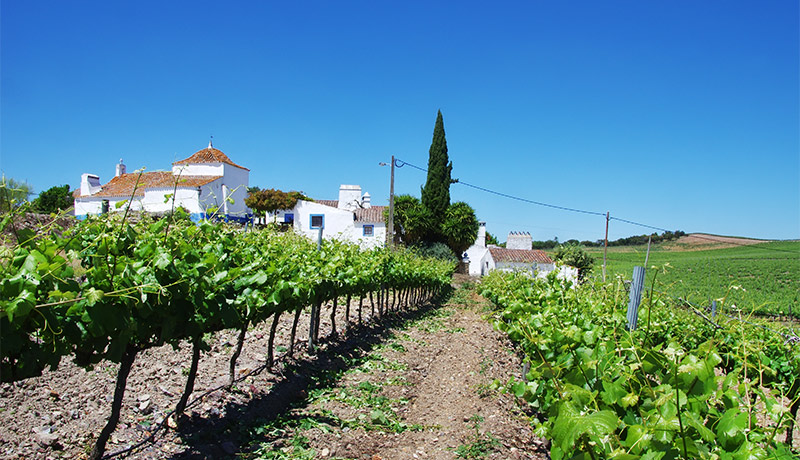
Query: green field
(762, 277)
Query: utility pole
(390, 230)
(605, 246)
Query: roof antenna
(209, 143)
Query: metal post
(637, 284)
(313, 323)
(713, 309)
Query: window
(288, 218)
(369, 230)
(317, 221)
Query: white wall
(211, 196)
(338, 224)
(377, 240)
(237, 181)
(87, 206)
(94, 205)
(203, 169)
(541, 270)
(477, 259)
(349, 197)
(565, 272)
(154, 199)
(519, 240)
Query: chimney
(519, 240)
(366, 201)
(120, 168)
(90, 184)
(349, 197)
(481, 239)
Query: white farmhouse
(350, 218)
(518, 255)
(207, 183)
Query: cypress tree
(436, 192)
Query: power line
(400, 163)
(506, 195)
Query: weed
(481, 445)
(484, 390)
(398, 381)
(298, 449)
(486, 363)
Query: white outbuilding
(518, 255)
(351, 218)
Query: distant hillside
(699, 241)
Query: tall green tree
(436, 192)
(413, 222)
(53, 199)
(460, 227)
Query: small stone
(45, 437)
(146, 407)
(325, 452)
(143, 397)
(54, 394)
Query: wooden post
(390, 229)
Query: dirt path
(426, 392)
(418, 385)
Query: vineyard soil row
(450, 358)
(71, 405)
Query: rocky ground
(415, 385)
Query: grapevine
(110, 288)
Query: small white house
(518, 255)
(207, 183)
(478, 253)
(350, 218)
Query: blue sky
(679, 115)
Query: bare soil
(431, 370)
(701, 241)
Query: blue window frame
(317, 221)
(369, 230)
(288, 218)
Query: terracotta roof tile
(371, 215)
(124, 185)
(331, 203)
(209, 155)
(520, 255)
